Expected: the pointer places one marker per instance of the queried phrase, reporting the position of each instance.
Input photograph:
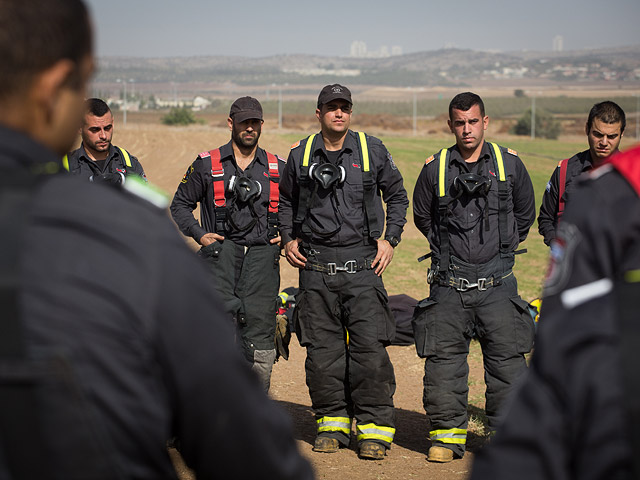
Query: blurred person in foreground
(102, 360)
(578, 412)
(97, 159)
(604, 128)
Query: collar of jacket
(350, 143)
(226, 154)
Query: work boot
(440, 454)
(326, 444)
(372, 450)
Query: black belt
(462, 284)
(332, 268)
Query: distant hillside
(447, 67)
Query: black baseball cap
(245, 108)
(334, 92)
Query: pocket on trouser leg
(299, 315)
(387, 323)
(523, 324)
(423, 329)
(211, 251)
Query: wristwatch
(393, 241)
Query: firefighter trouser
(354, 378)
(247, 281)
(444, 324)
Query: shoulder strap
(125, 155)
(503, 197)
(443, 208)
(217, 178)
(373, 227)
(65, 162)
(562, 185)
(274, 196)
(305, 190)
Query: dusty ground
(165, 153)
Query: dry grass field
(166, 152)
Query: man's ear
(50, 83)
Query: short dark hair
(607, 112)
(35, 34)
(97, 107)
(464, 101)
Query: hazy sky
(157, 28)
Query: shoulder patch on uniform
(512, 152)
(560, 163)
(297, 144)
(205, 154)
(138, 187)
(429, 160)
(186, 176)
(390, 158)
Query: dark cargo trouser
(355, 379)
(444, 325)
(247, 283)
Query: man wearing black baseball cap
(237, 188)
(331, 223)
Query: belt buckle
(333, 269)
(482, 284)
(350, 266)
(464, 285)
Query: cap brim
(248, 115)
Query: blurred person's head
(605, 127)
(46, 53)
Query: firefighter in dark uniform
(97, 159)
(331, 223)
(474, 202)
(604, 129)
(237, 186)
(577, 413)
(110, 339)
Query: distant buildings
(557, 43)
(359, 50)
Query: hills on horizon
(444, 67)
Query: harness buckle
(464, 285)
(350, 266)
(333, 269)
(482, 284)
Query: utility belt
(464, 276)
(333, 268)
(334, 260)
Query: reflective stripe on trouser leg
(334, 424)
(454, 436)
(371, 431)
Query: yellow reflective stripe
(365, 151)
(452, 435)
(632, 276)
(442, 168)
(65, 162)
(307, 150)
(334, 424)
(501, 175)
(372, 431)
(125, 154)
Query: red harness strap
(562, 184)
(217, 173)
(274, 184)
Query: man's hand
(294, 257)
(209, 238)
(277, 239)
(383, 257)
